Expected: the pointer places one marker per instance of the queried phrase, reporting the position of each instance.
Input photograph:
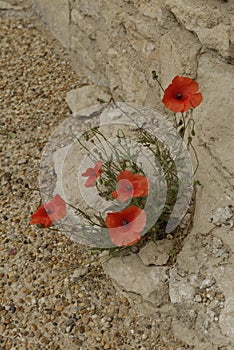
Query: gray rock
(131, 276)
(57, 17)
(78, 273)
(156, 253)
(180, 289)
(223, 216)
(207, 282)
(84, 97)
(180, 52)
(206, 20)
(180, 331)
(224, 276)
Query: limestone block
(227, 237)
(130, 275)
(226, 320)
(56, 14)
(88, 8)
(84, 58)
(156, 253)
(150, 9)
(82, 24)
(149, 27)
(108, 11)
(214, 116)
(189, 336)
(103, 42)
(84, 97)
(180, 288)
(205, 346)
(217, 38)
(195, 14)
(214, 141)
(209, 20)
(178, 52)
(122, 73)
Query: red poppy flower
(49, 212)
(93, 174)
(182, 94)
(125, 226)
(131, 185)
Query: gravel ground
(45, 302)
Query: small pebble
(198, 298)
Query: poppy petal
(98, 168)
(114, 220)
(41, 217)
(56, 208)
(92, 174)
(124, 227)
(141, 187)
(172, 104)
(88, 172)
(90, 182)
(125, 190)
(49, 212)
(196, 100)
(126, 174)
(123, 239)
(131, 185)
(136, 217)
(182, 94)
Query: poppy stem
(86, 216)
(183, 119)
(176, 123)
(189, 121)
(196, 157)
(82, 145)
(155, 77)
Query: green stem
(155, 77)
(86, 216)
(196, 157)
(184, 124)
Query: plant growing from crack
(119, 178)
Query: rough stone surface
(212, 22)
(180, 288)
(202, 303)
(16, 9)
(57, 15)
(118, 44)
(156, 254)
(223, 217)
(85, 96)
(148, 285)
(178, 57)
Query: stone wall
(117, 44)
